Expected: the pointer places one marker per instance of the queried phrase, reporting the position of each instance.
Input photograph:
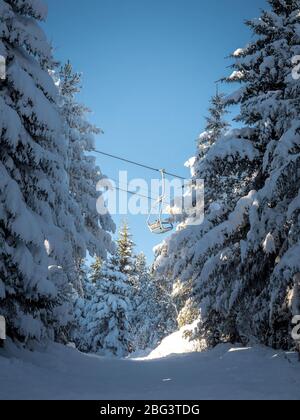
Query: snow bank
(176, 343)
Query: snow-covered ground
(223, 373)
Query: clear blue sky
(149, 68)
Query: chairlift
(161, 225)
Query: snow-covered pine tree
(228, 165)
(81, 302)
(155, 313)
(244, 292)
(216, 125)
(144, 305)
(107, 307)
(215, 174)
(35, 209)
(139, 278)
(165, 312)
(125, 254)
(269, 100)
(141, 268)
(96, 269)
(42, 230)
(243, 269)
(108, 314)
(84, 175)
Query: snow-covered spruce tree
(41, 225)
(96, 269)
(243, 269)
(84, 175)
(269, 100)
(216, 125)
(141, 269)
(81, 302)
(125, 255)
(139, 280)
(220, 177)
(154, 315)
(227, 162)
(107, 307)
(34, 207)
(108, 314)
(164, 308)
(137, 275)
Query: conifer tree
(219, 176)
(272, 241)
(221, 162)
(107, 309)
(44, 230)
(83, 172)
(125, 246)
(243, 264)
(108, 312)
(142, 303)
(153, 311)
(96, 269)
(215, 121)
(216, 125)
(35, 207)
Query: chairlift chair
(161, 225)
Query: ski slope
(223, 373)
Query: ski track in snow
(223, 373)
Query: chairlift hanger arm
(160, 226)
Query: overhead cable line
(119, 188)
(134, 193)
(123, 184)
(150, 168)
